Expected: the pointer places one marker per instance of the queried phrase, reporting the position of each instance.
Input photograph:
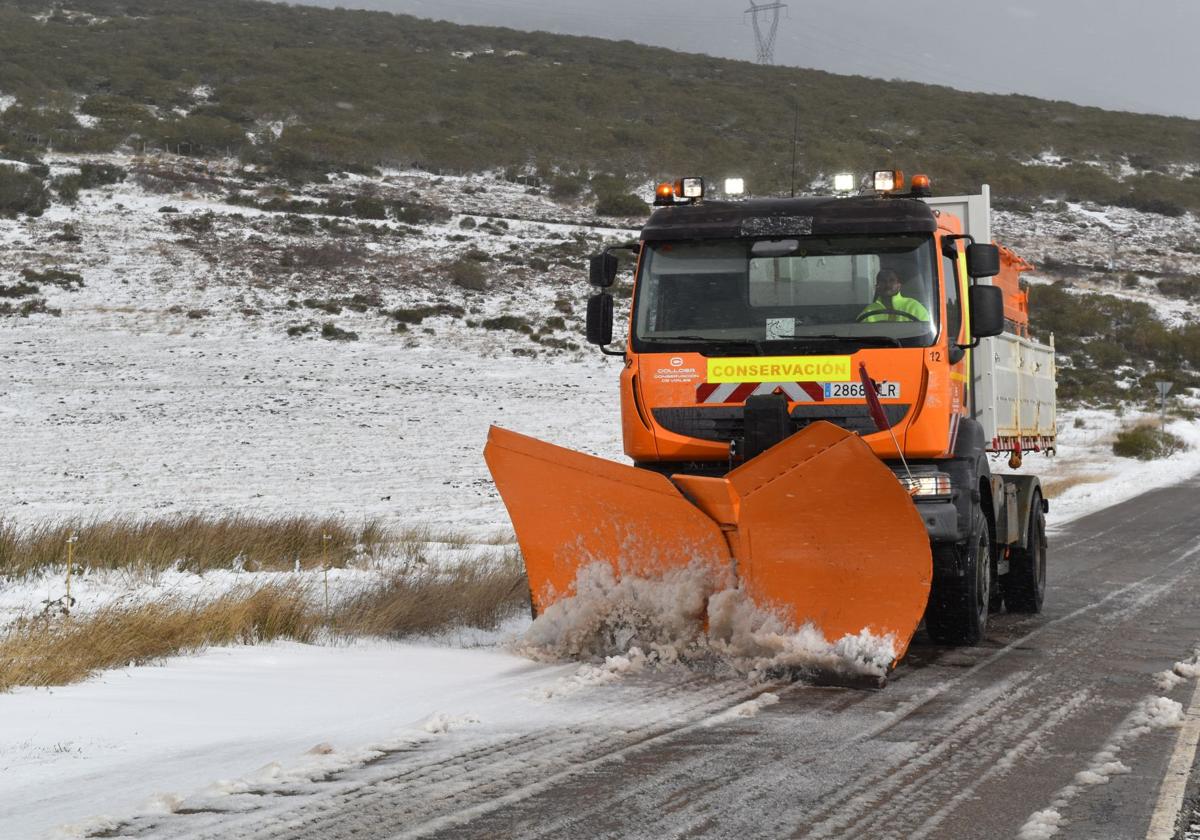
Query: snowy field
(127, 406)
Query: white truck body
(1013, 377)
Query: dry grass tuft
(57, 650)
(1054, 487)
(195, 543)
(424, 599)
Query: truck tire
(958, 606)
(1025, 584)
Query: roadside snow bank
(695, 616)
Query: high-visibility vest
(900, 303)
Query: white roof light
(735, 186)
(691, 188)
(887, 180)
(844, 182)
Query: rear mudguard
(816, 528)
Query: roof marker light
(844, 182)
(889, 180)
(690, 188)
(664, 195)
(735, 186)
(921, 186)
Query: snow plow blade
(816, 528)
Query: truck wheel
(958, 606)
(1025, 584)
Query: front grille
(852, 418)
(729, 423)
(723, 424)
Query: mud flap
(815, 528)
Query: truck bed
(1014, 393)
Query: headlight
(927, 485)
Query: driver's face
(887, 284)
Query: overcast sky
(1130, 55)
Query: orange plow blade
(816, 528)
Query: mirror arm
(604, 349)
(950, 239)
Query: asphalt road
(1048, 716)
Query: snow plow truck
(814, 392)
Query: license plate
(854, 390)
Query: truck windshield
(722, 297)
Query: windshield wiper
(710, 340)
(876, 340)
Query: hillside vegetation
(303, 90)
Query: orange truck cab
(890, 315)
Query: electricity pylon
(765, 33)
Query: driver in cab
(889, 304)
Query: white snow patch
(6, 102)
(1167, 680)
(1042, 825)
(1101, 771)
(1188, 669)
(1155, 713)
(692, 615)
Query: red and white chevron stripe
(737, 392)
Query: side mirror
(603, 270)
(600, 318)
(983, 260)
(987, 311)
